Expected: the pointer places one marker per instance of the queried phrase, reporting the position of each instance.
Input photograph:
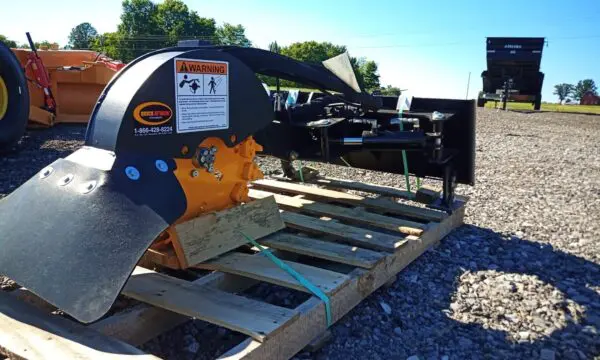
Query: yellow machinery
(46, 87)
(77, 78)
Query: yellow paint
(227, 186)
(207, 192)
(3, 98)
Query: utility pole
(468, 83)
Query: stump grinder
(174, 135)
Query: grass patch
(293, 88)
(594, 109)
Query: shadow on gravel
(479, 295)
(570, 274)
(38, 148)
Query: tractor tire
(14, 99)
(480, 102)
(538, 102)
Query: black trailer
(513, 71)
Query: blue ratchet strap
(301, 279)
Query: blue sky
(428, 47)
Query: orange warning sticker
(201, 67)
(201, 95)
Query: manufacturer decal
(153, 118)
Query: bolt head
(161, 165)
(132, 173)
(46, 172)
(65, 180)
(437, 116)
(194, 173)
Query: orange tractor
(48, 86)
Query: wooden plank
(30, 333)
(339, 253)
(333, 183)
(311, 322)
(166, 258)
(214, 234)
(263, 269)
(354, 235)
(254, 318)
(356, 215)
(142, 322)
(427, 194)
(341, 197)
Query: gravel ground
(521, 280)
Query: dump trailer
(513, 71)
(43, 87)
(174, 135)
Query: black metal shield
(73, 234)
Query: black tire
(14, 121)
(537, 105)
(480, 102)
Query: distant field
(292, 88)
(595, 109)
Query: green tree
(369, 75)
(40, 44)
(390, 90)
(312, 51)
(584, 86)
(9, 43)
(232, 35)
(563, 91)
(109, 44)
(146, 26)
(82, 36)
(177, 22)
(274, 47)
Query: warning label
(202, 95)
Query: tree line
(566, 92)
(146, 26)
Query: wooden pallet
(361, 241)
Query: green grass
(595, 109)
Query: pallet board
(347, 245)
(210, 235)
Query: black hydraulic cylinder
(397, 142)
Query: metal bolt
(161, 165)
(436, 116)
(88, 187)
(65, 179)
(194, 173)
(46, 172)
(132, 172)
